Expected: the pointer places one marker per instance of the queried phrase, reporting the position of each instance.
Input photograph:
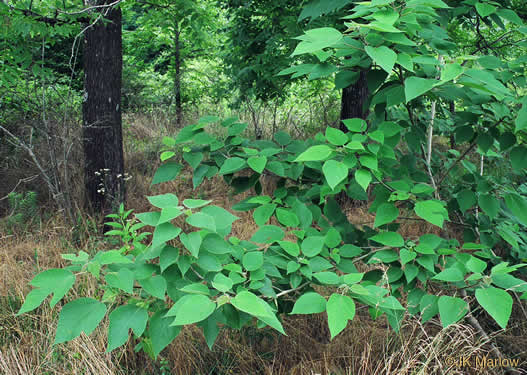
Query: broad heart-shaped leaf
(466, 199)
(316, 40)
(222, 282)
(268, 234)
(489, 204)
(309, 303)
(315, 153)
(167, 172)
(312, 245)
(336, 136)
(263, 213)
(194, 308)
(251, 304)
(497, 302)
(163, 233)
(386, 213)
(521, 120)
(160, 332)
(80, 315)
(253, 260)
(57, 281)
(155, 285)
(122, 319)
(363, 177)
(392, 239)
(451, 274)
(407, 256)
(451, 310)
(202, 220)
(485, 9)
(340, 309)
(195, 203)
(334, 172)
(451, 71)
(518, 156)
(192, 242)
(287, 217)
(518, 206)
(432, 211)
(382, 56)
(232, 165)
(415, 86)
(257, 163)
(123, 279)
(164, 200)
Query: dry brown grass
(364, 347)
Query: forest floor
(365, 347)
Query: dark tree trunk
(101, 113)
(353, 102)
(177, 79)
(353, 99)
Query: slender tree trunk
(353, 99)
(101, 112)
(177, 78)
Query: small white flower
(97, 173)
(106, 170)
(120, 175)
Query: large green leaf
(386, 213)
(268, 234)
(263, 213)
(334, 172)
(415, 86)
(251, 304)
(336, 136)
(155, 285)
(485, 9)
(194, 308)
(232, 165)
(451, 310)
(497, 302)
(432, 211)
(123, 319)
(392, 239)
(164, 200)
(80, 315)
(521, 120)
(309, 303)
(253, 260)
(340, 309)
(163, 233)
(382, 56)
(518, 206)
(56, 281)
(315, 153)
(202, 220)
(312, 245)
(363, 178)
(160, 332)
(257, 163)
(489, 204)
(316, 40)
(518, 156)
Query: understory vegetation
(263, 187)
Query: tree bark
(101, 113)
(353, 99)
(177, 78)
